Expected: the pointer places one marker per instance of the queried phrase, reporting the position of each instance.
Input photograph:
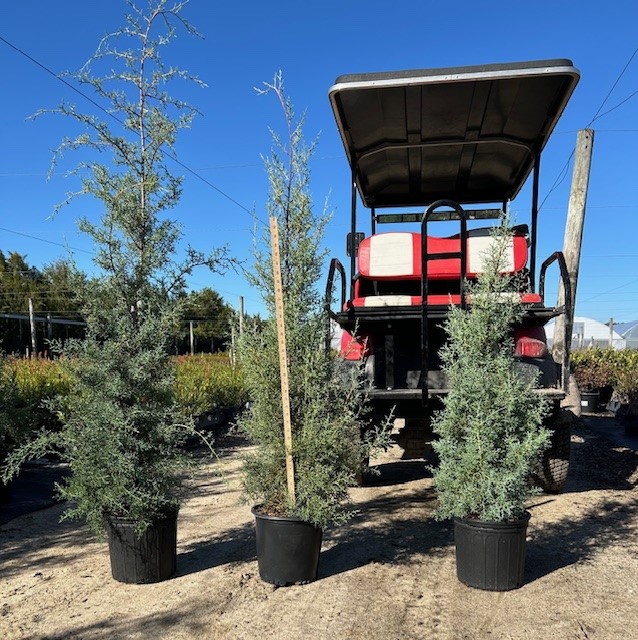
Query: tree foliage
(53, 292)
(327, 400)
(491, 433)
(122, 429)
(212, 320)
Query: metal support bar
(335, 265)
(389, 361)
(567, 310)
(427, 144)
(425, 258)
(353, 230)
(532, 261)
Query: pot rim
(265, 516)
(167, 517)
(471, 520)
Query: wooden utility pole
(572, 246)
(241, 315)
(233, 348)
(611, 333)
(34, 346)
(283, 357)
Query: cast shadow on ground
(229, 547)
(568, 541)
(397, 473)
(182, 621)
(17, 543)
(33, 489)
(597, 464)
(388, 529)
(225, 442)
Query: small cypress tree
(491, 432)
(122, 430)
(327, 399)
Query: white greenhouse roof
(588, 332)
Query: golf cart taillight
(530, 343)
(353, 347)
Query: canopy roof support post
(532, 264)
(353, 230)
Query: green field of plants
(202, 383)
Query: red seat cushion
(433, 300)
(397, 255)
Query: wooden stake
(573, 242)
(34, 346)
(283, 358)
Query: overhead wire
(114, 117)
(164, 152)
(563, 172)
(602, 104)
(32, 237)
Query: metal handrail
(425, 258)
(335, 265)
(568, 309)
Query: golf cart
(444, 150)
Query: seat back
(397, 255)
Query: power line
(596, 116)
(591, 297)
(34, 292)
(57, 244)
(114, 117)
(615, 255)
(32, 237)
(248, 165)
(20, 316)
(602, 104)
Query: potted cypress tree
(326, 399)
(122, 429)
(491, 433)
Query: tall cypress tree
(122, 430)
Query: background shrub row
(606, 369)
(202, 383)
(206, 381)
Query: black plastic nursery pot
(589, 401)
(287, 549)
(491, 555)
(5, 493)
(151, 557)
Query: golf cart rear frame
(443, 141)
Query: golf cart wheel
(554, 467)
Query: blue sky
(245, 43)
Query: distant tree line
(52, 291)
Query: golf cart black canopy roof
(469, 134)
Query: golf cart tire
(554, 467)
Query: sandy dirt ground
(390, 573)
